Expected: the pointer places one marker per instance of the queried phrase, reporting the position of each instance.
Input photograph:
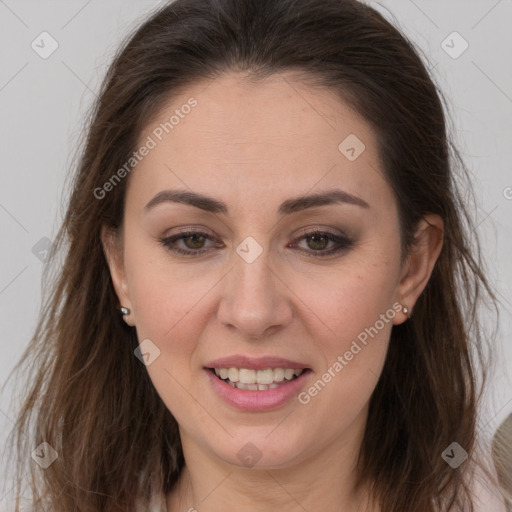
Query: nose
(255, 300)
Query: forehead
(268, 137)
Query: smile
(257, 390)
(256, 380)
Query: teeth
(278, 375)
(246, 378)
(247, 387)
(233, 375)
(265, 376)
(252, 387)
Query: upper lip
(254, 363)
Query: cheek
(354, 318)
(164, 296)
(348, 299)
(353, 351)
(167, 305)
(359, 325)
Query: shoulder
(484, 484)
(488, 497)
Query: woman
(266, 195)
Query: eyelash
(344, 243)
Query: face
(257, 273)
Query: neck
(323, 480)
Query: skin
(254, 145)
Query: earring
(125, 312)
(405, 310)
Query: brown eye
(196, 241)
(318, 241)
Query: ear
(420, 261)
(112, 248)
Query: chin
(261, 448)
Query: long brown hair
(92, 400)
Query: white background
(43, 103)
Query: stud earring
(405, 310)
(124, 311)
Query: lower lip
(257, 400)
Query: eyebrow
(288, 207)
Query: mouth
(248, 379)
